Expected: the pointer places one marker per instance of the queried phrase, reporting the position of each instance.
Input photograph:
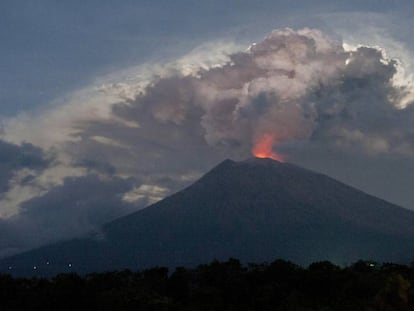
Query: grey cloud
(77, 207)
(361, 112)
(14, 157)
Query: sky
(109, 106)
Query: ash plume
(294, 85)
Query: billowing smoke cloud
(296, 96)
(291, 86)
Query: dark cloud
(77, 207)
(14, 157)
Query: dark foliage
(229, 285)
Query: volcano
(255, 210)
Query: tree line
(227, 285)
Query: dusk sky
(109, 106)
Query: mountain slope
(254, 210)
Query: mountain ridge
(255, 210)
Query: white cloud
(108, 141)
(149, 193)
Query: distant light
(10, 267)
(371, 265)
(70, 265)
(47, 262)
(34, 268)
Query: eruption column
(263, 148)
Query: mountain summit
(255, 210)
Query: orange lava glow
(264, 148)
